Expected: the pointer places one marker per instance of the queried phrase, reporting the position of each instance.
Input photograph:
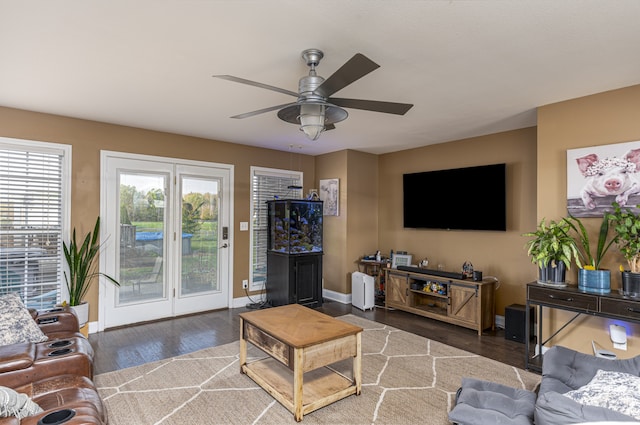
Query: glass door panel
(200, 201)
(142, 237)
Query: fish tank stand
(294, 252)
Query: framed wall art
(330, 195)
(597, 176)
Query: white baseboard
(336, 296)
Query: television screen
(471, 198)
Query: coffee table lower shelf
(322, 386)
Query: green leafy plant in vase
(626, 224)
(552, 248)
(591, 277)
(82, 261)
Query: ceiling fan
(315, 110)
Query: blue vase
(594, 281)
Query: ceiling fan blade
(255, 84)
(372, 105)
(355, 68)
(261, 111)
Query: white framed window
(267, 184)
(34, 217)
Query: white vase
(82, 312)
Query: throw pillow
(16, 404)
(16, 323)
(612, 390)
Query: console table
(612, 305)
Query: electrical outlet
(245, 284)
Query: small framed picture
(330, 194)
(401, 260)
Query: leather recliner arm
(58, 320)
(17, 356)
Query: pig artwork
(611, 176)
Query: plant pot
(630, 284)
(553, 274)
(594, 281)
(82, 312)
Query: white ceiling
(469, 67)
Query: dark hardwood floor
(134, 345)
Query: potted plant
(82, 262)
(626, 224)
(591, 277)
(552, 249)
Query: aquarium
(295, 226)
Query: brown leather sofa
(56, 374)
(65, 395)
(66, 351)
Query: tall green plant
(590, 260)
(552, 242)
(81, 259)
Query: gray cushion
(614, 390)
(16, 323)
(564, 370)
(553, 408)
(482, 402)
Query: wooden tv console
(462, 302)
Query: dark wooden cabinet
(294, 279)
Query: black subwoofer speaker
(514, 322)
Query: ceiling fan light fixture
(312, 119)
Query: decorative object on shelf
(591, 278)
(626, 224)
(401, 260)
(330, 194)
(552, 249)
(82, 262)
(424, 263)
(467, 269)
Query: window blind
(31, 199)
(267, 184)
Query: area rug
(406, 379)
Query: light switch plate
(244, 226)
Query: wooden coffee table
(301, 344)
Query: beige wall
(334, 166)
(604, 118)
(499, 254)
(354, 232)
(87, 138)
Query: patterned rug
(406, 379)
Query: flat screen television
(470, 198)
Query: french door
(168, 227)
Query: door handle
(224, 246)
